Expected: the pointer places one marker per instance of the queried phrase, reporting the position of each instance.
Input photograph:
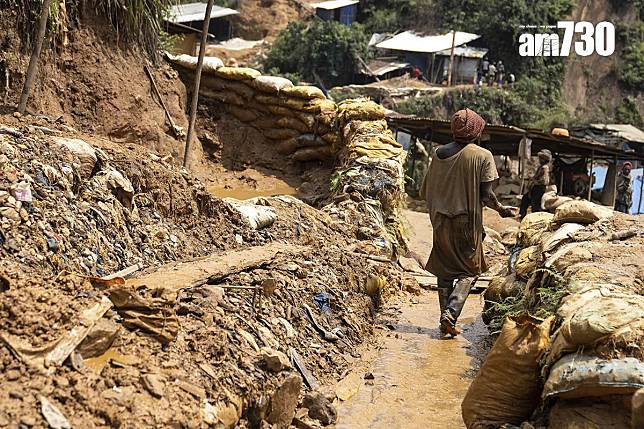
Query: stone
(222, 415)
(99, 338)
(284, 401)
(10, 213)
(12, 374)
(274, 360)
(320, 408)
(84, 151)
(154, 384)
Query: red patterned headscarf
(467, 125)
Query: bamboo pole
(195, 90)
(451, 59)
(590, 181)
(35, 57)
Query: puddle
(97, 363)
(419, 380)
(246, 193)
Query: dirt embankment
(99, 84)
(259, 19)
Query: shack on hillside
(187, 21)
(431, 54)
(622, 136)
(342, 11)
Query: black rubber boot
(459, 295)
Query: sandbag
(305, 92)
(360, 109)
(507, 388)
(590, 413)
(237, 73)
(581, 376)
(280, 110)
(294, 123)
(532, 226)
(528, 261)
(256, 216)
(265, 122)
(316, 105)
(313, 153)
(287, 147)
(218, 84)
(268, 99)
(243, 114)
(271, 84)
(332, 139)
(306, 118)
(375, 146)
(560, 236)
(280, 133)
(581, 211)
(226, 97)
(210, 64)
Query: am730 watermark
(560, 39)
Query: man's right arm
(488, 198)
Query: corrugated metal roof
(334, 4)
(412, 42)
(197, 12)
(378, 67)
(465, 51)
(625, 131)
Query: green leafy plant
(330, 50)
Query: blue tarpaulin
(636, 180)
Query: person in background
(485, 69)
(624, 197)
(500, 73)
(491, 75)
(416, 73)
(537, 185)
(511, 80)
(458, 183)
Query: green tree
(329, 49)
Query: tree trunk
(35, 56)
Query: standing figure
(491, 75)
(511, 80)
(457, 184)
(537, 185)
(500, 73)
(624, 197)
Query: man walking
(457, 184)
(624, 197)
(537, 185)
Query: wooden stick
(195, 90)
(175, 129)
(35, 57)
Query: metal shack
(431, 54)
(187, 19)
(342, 11)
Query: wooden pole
(195, 90)
(451, 59)
(590, 180)
(639, 203)
(612, 204)
(35, 57)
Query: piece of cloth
(624, 189)
(532, 198)
(467, 125)
(452, 190)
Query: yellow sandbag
(528, 261)
(313, 154)
(305, 92)
(360, 109)
(237, 73)
(218, 84)
(268, 99)
(355, 128)
(316, 105)
(280, 110)
(581, 211)
(210, 64)
(332, 138)
(294, 123)
(374, 146)
(243, 114)
(532, 226)
(307, 118)
(265, 122)
(507, 388)
(280, 133)
(287, 147)
(271, 84)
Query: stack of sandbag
(596, 350)
(299, 120)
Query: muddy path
(418, 379)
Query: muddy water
(244, 193)
(419, 380)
